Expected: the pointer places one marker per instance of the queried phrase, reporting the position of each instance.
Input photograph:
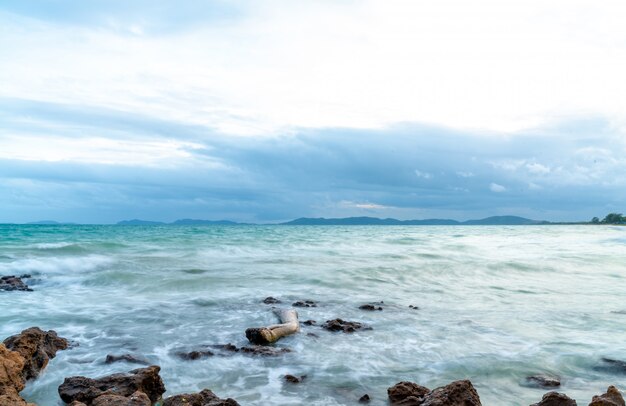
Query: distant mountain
(48, 223)
(504, 221)
(373, 221)
(136, 222)
(187, 222)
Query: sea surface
(496, 304)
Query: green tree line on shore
(611, 218)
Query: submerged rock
(87, 390)
(345, 326)
(305, 303)
(612, 366)
(612, 397)
(555, 399)
(365, 398)
(11, 379)
(194, 355)
(264, 351)
(126, 358)
(12, 282)
(204, 398)
(542, 381)
(230, 349)
(37, 347)
(294, 379)
(413, 307)
(271, 300)
(407, 393)
(309, 322)
(370, 307)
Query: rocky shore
(24, 355)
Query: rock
(125, 357)
(194, 355)
(457, 393)
(13, 282)
(555, 399)
(612, 366)
(305, 303)
(37, 347)
(345, 326)
(271, 300)
(612, 397)
(11, 379)
(294, 379)
(543, 381)
(413, 307)
(370, 307)
(309, 322)
(86, 390)
(204, 398)
(77, 403)
(264, 351)
(406, 393)
(365, 398)
(136, 399)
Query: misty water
(495, 304)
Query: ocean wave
(55, 265)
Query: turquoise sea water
(496, 304)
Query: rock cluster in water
(12, 282)
(344, 326)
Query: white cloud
(537, 169)
(490, 65)
(363, 205)
(423, 175)
(496, 188)
(465, 174)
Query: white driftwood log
(270, 334)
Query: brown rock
(407, 393)
(136, 399)
(345, 326)
(612, 397)
(37, 347)
(86, 390)
(11, 379)
(77, 403)
(370, 307)
(13, 282)
(458, 393)
(294, 379)
(204, 398)
(555, 399)
(194, 355)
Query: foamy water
(496, 304)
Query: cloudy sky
(270, 110)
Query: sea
(495, 304)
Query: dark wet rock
(612, 397)
(136, 399)
(413, 307)
(543, 381)
(225, 347)
(365, 398)
(309, 322)
(194, 355)
(618, 311)
(457, 393)
(204, 398)
(264, 351)
(37, 347)
(406, 393)
(294, 379)
(12, 282)
(312, 335)
(110, 359)
(77, 403)
(87, 390)
(555, 399)
(612, 366)
(11, 379)
(271, 300)
(305, 303)
(345, 326)
(370, 307)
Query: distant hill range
(373, 221)
(356, 221)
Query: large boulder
(87, 390)
(612, 397)
(204, 398)
(458, 393)
(407, 393)
(136, 399)
(555, 399)
(37, 347)
(11, 379)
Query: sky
(265, 111)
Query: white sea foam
(52, 245)
(56, 265)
